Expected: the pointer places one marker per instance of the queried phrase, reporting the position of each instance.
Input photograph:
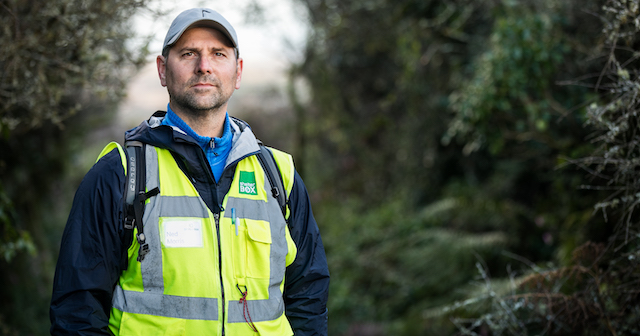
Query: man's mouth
(203, 85)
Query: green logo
(248, 183)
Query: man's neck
(209, 124)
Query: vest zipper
(216, 217)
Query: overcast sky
(268, 44)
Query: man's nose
(204, 65)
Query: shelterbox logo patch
(248, 183)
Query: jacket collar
(152, 132)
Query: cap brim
(203, 23)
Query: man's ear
(161, 62)
(239, 65)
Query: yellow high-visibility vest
(207, 272)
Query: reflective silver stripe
(182, 206)
(259, 310)
(192, 308)
(151, 266)
(272, 308)
(249, 209)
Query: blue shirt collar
(172, 119)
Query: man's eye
(188, 54)
(219, 54)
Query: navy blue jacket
(93, 243)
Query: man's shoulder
(279, 154)
(105, 180)
(285, 166)
(153, 132)
(109, 166)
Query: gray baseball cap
(198, 17)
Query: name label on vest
(182, 232)
(248, 183)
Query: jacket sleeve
(89, 260)
(307, 278)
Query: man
(214, 255)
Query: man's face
(200, 72)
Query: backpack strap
(135, 195)
(268, 163)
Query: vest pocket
(254, 246)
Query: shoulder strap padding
(135, 195)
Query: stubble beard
(198, 104)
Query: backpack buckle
(144, 249)
(129, 223)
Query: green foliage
(469, 110)
(397, 264)
(617, 158)
(11, 240)
(63, 69)
(510, 93)
(593, 296)
(593, 293)
(369, 65)
(56, 51)
(59, 59)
